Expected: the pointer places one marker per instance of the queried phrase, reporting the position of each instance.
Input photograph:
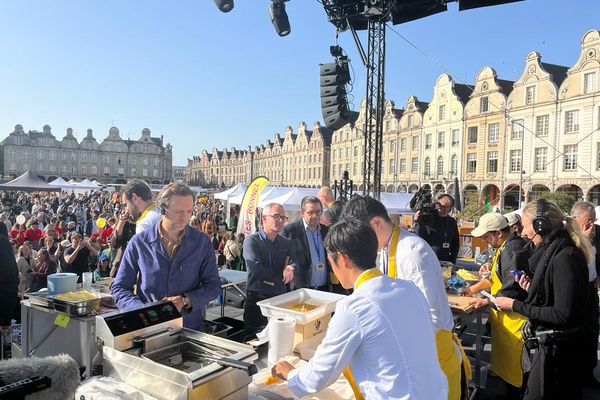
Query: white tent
(397, 203)
(73, 181)
(240, 188)
(60, 182)
(290, 199)
(86, 184)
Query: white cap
(490, 222)
(512, 218)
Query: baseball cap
(102, 257)
(489, 222)
(65, 243)
(512, 218)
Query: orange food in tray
(271, 380)
(300, 307)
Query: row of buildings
(113, 160)
(502, 139)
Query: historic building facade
(114, 160)
(506, 141)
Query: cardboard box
(311, 329)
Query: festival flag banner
(247, 220)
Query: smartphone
(486, 294)
(517, 274)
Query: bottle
(477, 251)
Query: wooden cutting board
(460, 304)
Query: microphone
(61, 370)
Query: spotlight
(279, 17)
(224, 5)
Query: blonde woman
(556, 302)
(26, 266)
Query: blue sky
(206, 79)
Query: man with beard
(170, 260)
(137, 197)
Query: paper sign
(62, 320)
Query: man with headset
(441, 230)
(170, 260)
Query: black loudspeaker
(541, 224)
(334, 101)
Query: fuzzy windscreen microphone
(62, 371)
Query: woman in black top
(555, 303)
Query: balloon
(101, 222)
(21, 219)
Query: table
(462, 310)
(234, 278)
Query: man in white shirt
(413, 259)
(382, 331)
(137, 196)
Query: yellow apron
(507, 340)
(369, 274)
(444, 339)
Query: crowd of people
(392, 336)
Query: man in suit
(308, 234)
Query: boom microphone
(61, 370)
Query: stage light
(224, 5)
(279, 17)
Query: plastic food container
(324, 302)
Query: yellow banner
(247, 220)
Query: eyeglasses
(317, 212)
(278, 217)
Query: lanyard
(314, 236)
(389, 262)
(146, 210)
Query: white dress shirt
(416, 262)
(384, 333)
(151, 217)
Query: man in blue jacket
(172, 260)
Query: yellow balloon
(101, 222)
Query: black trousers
(557, 371)
(592, 331)
(254, 321)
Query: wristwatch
(186, 302)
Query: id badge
(446, 245)
(320, 266)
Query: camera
(422, 202)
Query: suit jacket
(296, 232)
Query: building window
(133, 171)
(441, 139)
(94, 158)
(409, 121)
(442, 112)
(483, 104)
(403, 165)
(542, 125)
(440, 166)
(427, 167)
(387, 126)
(541, 157)
(454, 164)
(493, 132)
(52, 168)
(392, 147)
(52, 155)
(455, 137)
(393, 167)
(472, 134)
(570, 156)
(93, 170)
(13, 166)
(492, 162)
(355, 151)
(121, 171)
(12, 153)
(40, 155)
(403, 144)
(572, 121)
(83, 157)
(106, 170)
(530, 95)
(354, 169)
(415, 142)
(598, 155)
(471, 163)
(428, 141)
(589, 82)
(26, 154)
(415, 165)
(83, 170)
(515, 160)
(517, 129)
